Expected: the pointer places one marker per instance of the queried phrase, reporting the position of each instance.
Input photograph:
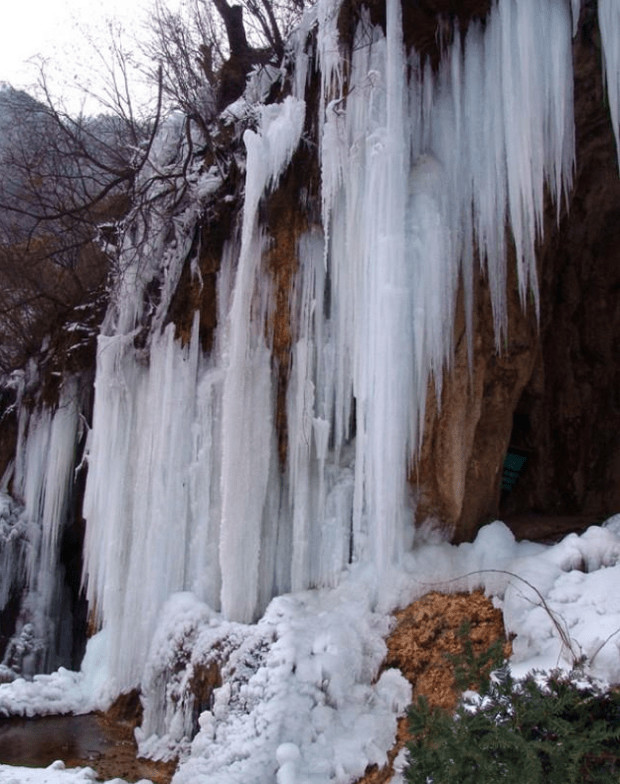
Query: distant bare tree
(60, 166)
(63, 177)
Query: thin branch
(564, 636)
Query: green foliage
(542, 729)
(473, 670)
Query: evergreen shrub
(554, 728)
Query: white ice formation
(43, 477)
(185, 490)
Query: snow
(56, 773)
(301, 679)
(302, 697)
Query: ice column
(609, 23)
(248, 445)
(419, 178)
(421, 174)
(43, 482)
(149, 506)
(181, 494)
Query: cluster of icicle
(31, 533)
(185, 490)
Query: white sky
(54, 29)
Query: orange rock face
(551, 390)
(425, 638)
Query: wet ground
(40, 741)
(95, 740)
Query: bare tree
(63, 176)
(207, 51)
(69, 179)
(60, 165)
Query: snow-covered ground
(300, 701)
(56, 773)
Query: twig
(563, 634)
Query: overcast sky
(54, 29)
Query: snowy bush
(555, 729)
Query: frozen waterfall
(419, 169)
(31, 534)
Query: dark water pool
(39, 741)
(99, 741)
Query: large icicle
(14, 546)
(576, 11)
(485, 135)
(248, 436)
(43, 481)
(150, 530)
(320, 483)
(517, 134)
(609, 24)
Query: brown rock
(553, 392)
(426, 636)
